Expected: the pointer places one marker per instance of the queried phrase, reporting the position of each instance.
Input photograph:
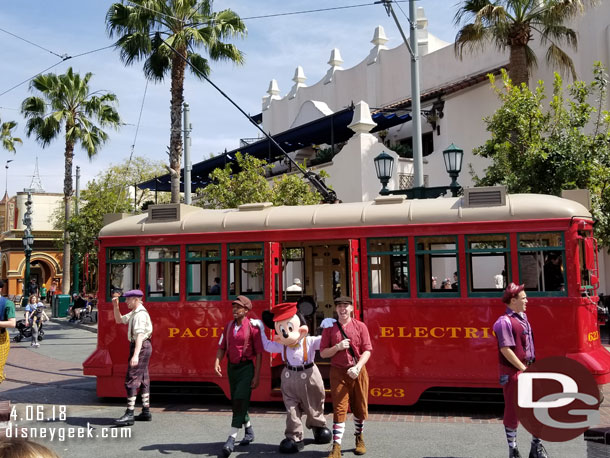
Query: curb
(64, 322)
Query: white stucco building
(457, 90)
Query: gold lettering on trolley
(421, 332)
(433, 333)
(437, 332)
(401, 332)
(202, 332)
(387, 332)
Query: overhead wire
(55, 65)
(290, 13)
(61, 56)
(133, 145)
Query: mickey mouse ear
(307, 305)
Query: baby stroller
(25, 332)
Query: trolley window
(163, 273)
(388, 267)
(487, 258)
(294, 273)
(437, 266)
(246, 269)
(542, 263)
(123, 269)
(587, 253)
(203, 277)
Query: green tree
(146, 30)
(134, 171)
(513, 24)
(112, 191)
(6, 135)
(66, 107)
(249, 185)
(539, 147)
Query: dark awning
(329, 130)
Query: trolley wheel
(17, 339)
(40, 337)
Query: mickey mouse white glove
(257, 323)
(327, 323)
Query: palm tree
(148, 29)
(66, 107)
(6, 135)
(512, 24)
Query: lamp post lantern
(384, 164)
(453, 164)
(28, 244)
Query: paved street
(51, 377)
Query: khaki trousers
(346, 391)
(303, 393)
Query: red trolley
(426, 277)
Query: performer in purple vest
(516, 352)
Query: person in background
(296, 286)
(215, 289)
(139, 332)
(516, 352)
(242, 344)
(43, 293)
(33, 287)
(7, 320)
(52, 290)
(34, 317)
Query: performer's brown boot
(335, 452)
(360, 447)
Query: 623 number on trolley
(387, 392)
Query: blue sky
(273, 49)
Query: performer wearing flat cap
(241, 342)
(348, 344)
(139, 331)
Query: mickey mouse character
(302, 385)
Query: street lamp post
(28, 244)
(384, 164)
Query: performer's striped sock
(338, 429)
(535, 440)
(146, 400)
(359, 425)
(511, 437)
(131, 403)
(233, 432)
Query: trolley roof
(383, 211)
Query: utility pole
(76, 268)
(412, 46)
(187, 155)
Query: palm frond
(558, 58)
(200, 65)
